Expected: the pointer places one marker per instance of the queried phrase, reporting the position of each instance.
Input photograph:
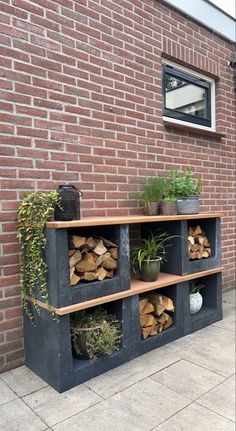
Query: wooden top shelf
(137, 287)
(102, 221)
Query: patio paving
(187, 385)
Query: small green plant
(195, 286)
(169, 199)
(152, 190)
(151, 248)
(95, 332)
(183, 185)
(34, 211)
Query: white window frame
(213, 104)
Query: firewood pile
(198, 244)
(154, 314)
(91, 258)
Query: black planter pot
(150, 271)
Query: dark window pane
(185, 97)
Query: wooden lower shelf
(137, 287)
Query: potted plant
(34, 211)
(94, 332)
(169, 205)
(147, 257)
(151, 194)
(195, 297)
(187, 191)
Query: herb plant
(184, 185)
(153, 190)
(101, 332)
(34, 211)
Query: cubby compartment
(48, 348)
(167, 335)
(61, 293)
(177, 259)
(211, 310)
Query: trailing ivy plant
(34, 211)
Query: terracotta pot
(152, 208)
(168, 208)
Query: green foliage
(34, 211)
(102, 331)
(195, 287)
(151, 248)
(183, 185)
(153, 189)
(169, 198)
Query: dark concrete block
(61, 293)
(170, 334)
(211, 310)
(48, 348)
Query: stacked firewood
(198, 243)
(91, 258)
(154, 313)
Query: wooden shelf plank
(137, 287)
(102, 221)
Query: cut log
(163, 300)
(199, 239)
(109, 263)
(110, 273)
(101, 273)
(145, 332)
(168, 323)
(142, 303)
(153, 330)
(193, 255)
(147, 320)
(90, 243)
(196, 230)
(191, 239)
(208, 251)
(205, 254)
(100, 248)
(148, 308)
(87, 263)
(114, 252)
(108, 243)
(160, 327)
(158, 309)
(99, 259)
(206, 242)
(89, 276)
(74, 279)
(163, 318)
(77, 241)
(75, 258)
(195, 247)
(71, 252)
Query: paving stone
(228, 321)
(23, 381)
(188, 379)
(196, 418)
(6, 394)
(53, 407)
(137, 408)
(16, 416)
(229, 296)
(221, 399)
(122, 377)
(201, 347)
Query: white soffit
(209, 15)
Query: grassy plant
(151, 248)
(195, 286)
(153, 190)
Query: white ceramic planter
(195, 300)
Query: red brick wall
(81, 102)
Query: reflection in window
(187, 97)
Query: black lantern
(70, 202)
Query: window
(188, 97)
